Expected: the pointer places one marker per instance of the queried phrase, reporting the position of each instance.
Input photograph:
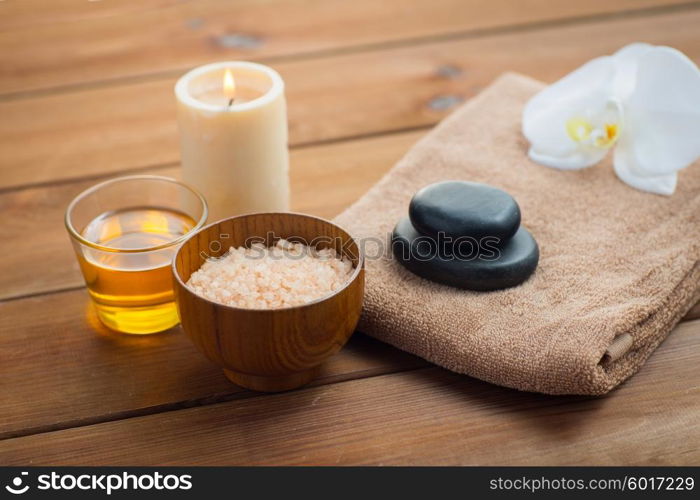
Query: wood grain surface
(427, 416)
(70, 43)
(130, 126)
(96, 375)
(86, 93)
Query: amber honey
(131, 286)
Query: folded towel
(618, 267)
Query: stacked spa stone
(466, 235)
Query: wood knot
(194, 23)
(449, 71)
(444, 102)
(239, 41)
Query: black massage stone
(470, 263)
(460, 208)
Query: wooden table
(86, 94)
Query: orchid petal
(662, 130)
(625, 169)
(575, 160)
(626, 60)
(584, 92)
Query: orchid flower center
(599, 135)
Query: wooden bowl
(268, 349)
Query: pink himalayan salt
(287, 274)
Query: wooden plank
(97, 41)
(108, 130)
(30, 14)
(694, 313)
(38, 255)
(61, 368)
(426, 416)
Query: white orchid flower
(644, 101)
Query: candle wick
(230, 102)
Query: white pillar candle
(233, 137)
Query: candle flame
(229, 85)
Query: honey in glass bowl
(125, 249)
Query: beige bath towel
(618, 267)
